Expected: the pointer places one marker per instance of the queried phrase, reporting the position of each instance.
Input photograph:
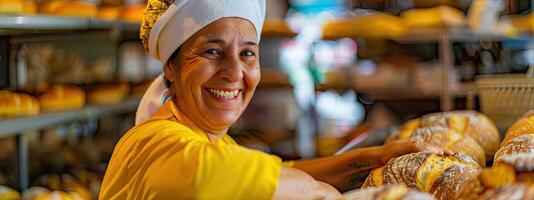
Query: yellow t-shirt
(162, 159)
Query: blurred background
(333, 72)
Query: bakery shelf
(15, 24)
(12, 126)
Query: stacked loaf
(466, 132)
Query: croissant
(470, 123)
(447, 138)
(388, 192)
(441, 176)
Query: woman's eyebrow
(221, 41)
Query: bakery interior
(336, 75)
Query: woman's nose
(232, 69)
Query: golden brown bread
(50, 7)
(108, 94)
(508, 192)
(108, 13)
(77, 9)
(62, 97)
(17, 104)
(374, 25)
(133, 14)
(518, 145)
(441, 176)
(470, 123)
(446, 138)
(388, 192)
(525, 125)
(440, 16)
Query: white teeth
(224, 94)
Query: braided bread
(389, 192)
(441, 176)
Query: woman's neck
(185, 120)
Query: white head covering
(179, 22)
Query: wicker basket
(506, 97)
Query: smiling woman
(182, 151)
(215, 73)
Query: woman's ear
(169, 71)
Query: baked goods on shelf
(62, 97)
(388, 192)
(277, 27)
(133, 14)
(108, 94)
(8, 193)
(440, 16)
(470, 123)
(444, 137)
(67, 183)
(370, 25)
(74, 8)
(18, 7)
(442, 176)
(17, 104)
(108, 13)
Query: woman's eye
(247, 53)
(213, 52)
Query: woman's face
(215, 73)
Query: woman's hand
(297, 184)
(400, 147)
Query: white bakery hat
(180, 21)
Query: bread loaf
(441, 176)
(469, 123)
(525, 125)
(62, 97)
(446, 138)
(508, 192)
(17, 104)
(372, 25)
(108, 94)
(77, 9)
(389, 192)
(440, 16)
(133, 14)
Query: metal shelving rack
(18, 29)
(444, 37)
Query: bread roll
(108, 94)
(440, 16)
(77, 9)
(133, 14)
(110, 13)
(388, 192)
(469, 123)
(62, 97)
(446, 138)
(525, 125)
(441, 176)
(523, 144)
(508, 192)
(373, 25)
(50, 7)
(11, 6)
(17, 104)
(8, 193)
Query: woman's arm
(297, 184)
(349, 170)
